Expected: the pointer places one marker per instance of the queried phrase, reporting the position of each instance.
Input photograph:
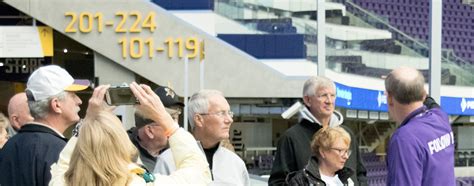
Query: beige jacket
(192, 166)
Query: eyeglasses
(175, 111)
(220, 114)
(342, 152)
(326, 96)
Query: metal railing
(448, 56)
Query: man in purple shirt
(421, 151)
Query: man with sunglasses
(148, 136)
(210, 118)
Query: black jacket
(27, 157)
(310, 175)
(294, 151)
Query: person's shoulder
(37, 138)
(406, 134)
(295, 130)
(231, 156)
(166, 155)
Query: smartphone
(120, 96)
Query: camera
(120, 96)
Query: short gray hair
(199, 103)
(404, 91)
(317, 82)
(40, 109)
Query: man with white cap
(27, 157)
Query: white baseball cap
(51, 80)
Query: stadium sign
(375, 100)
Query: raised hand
(96, 102)
(151, 106)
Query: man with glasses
(150, 138)
(210, 118)
(293, 149)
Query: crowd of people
(318, 150)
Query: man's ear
(306, 100)
(15, 123)
(198, 120)
(149, 132)
(55, 105)
(390, 99)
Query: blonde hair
(102, 153)
(4, 122)
(325, 138)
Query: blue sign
(458, 106)
(375, 100)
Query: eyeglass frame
(342, 152)
(220, 113)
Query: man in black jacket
(27, 156)
(293, 150)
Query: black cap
(168, 96)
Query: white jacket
(192, 165)
(227, 167)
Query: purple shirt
(421, 151)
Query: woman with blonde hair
(331, 149)
(103, 155)
(4, 123)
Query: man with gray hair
(27, 156)
(18, 111)
(294, 147)
(421, 151)
(210, 118)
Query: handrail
(447, 55)
(385, 23)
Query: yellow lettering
(70, 28)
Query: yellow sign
(46, 38)
(135, 47)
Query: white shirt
(227, 167)
(335, 181)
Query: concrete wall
(227, 68)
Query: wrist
(170, 131)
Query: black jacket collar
(313, 170)
(31, 127)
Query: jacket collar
(336, 117)
(416, 113)
(312, 168)
(33, 127)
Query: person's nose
(345, 156)
(228, 119)
(329, 100)
(77, 99)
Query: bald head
(18, 111)
(406, 85)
